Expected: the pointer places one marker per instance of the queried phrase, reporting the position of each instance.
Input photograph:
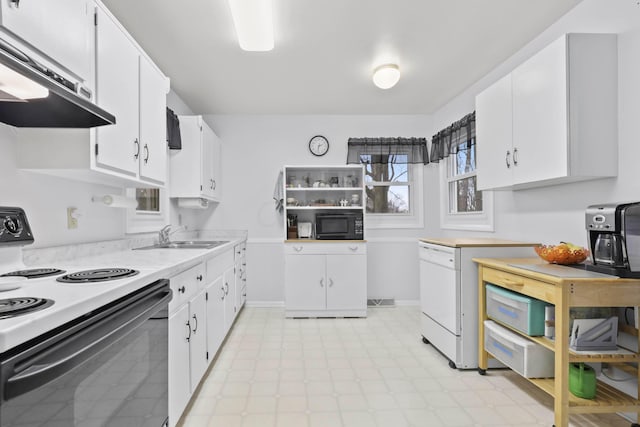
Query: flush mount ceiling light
(386, 76)
(253, 20)
(18, 87)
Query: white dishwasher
(449, 293)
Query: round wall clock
(318, 145)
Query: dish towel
(278, 195)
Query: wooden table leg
(483, 357)
(561, 384)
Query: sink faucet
(165, 232)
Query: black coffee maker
(613, 231)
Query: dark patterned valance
(461, 135)
(387, 150)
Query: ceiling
(325, 51)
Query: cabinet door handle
(181, 289)
(188, 325)
(223, 294)
(322, 282)
(226, 288)
(507, 160)
(214, 184)
(199, 277)
(330, 282)
(137, 152)
(210, 183)
(146, 152)
(515, 157)
(196, 320)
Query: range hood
(63, 107)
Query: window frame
(415, 217)
(148, 221)
(470, 221)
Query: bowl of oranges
(564, 253)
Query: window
(387, 187)
(152, 212)
(461, 181)
(393, 179)
(462, 205)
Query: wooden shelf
(608, 399)
(619, 356)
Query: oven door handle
(31, 371)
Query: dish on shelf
(563, 253)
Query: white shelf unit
(309, 190)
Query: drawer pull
(509, 313)
(503, 348)
(297, 248)
(512, 282)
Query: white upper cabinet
(545, 123)
(494, 128)
(131, 152)
(153, 119)
(60, 30)
(117, 83)
(134, 91)
(195, 169)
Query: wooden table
(564, 292)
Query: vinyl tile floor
(373, 372)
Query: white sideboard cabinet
(326, 279)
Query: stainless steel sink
(187, 244)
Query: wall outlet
(72, 219)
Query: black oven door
(106, 369)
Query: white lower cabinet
(185, 343)
(198, 356)
(216, 330)
(201, 314)
(179, 378)
(325, 279)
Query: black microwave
(339, 226)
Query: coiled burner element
(97, 275)
(17, 306)
(34, 273)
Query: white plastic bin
(526, 357)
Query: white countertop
(73, 300)
(461, 242)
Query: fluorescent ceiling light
(386, 76)
(19, 86)
(253, 20)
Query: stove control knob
(12, 225)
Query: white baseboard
(280, 304)
(408, 302)
(265, 304)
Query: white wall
(45, 200)
(556, 213)
(255, 148)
